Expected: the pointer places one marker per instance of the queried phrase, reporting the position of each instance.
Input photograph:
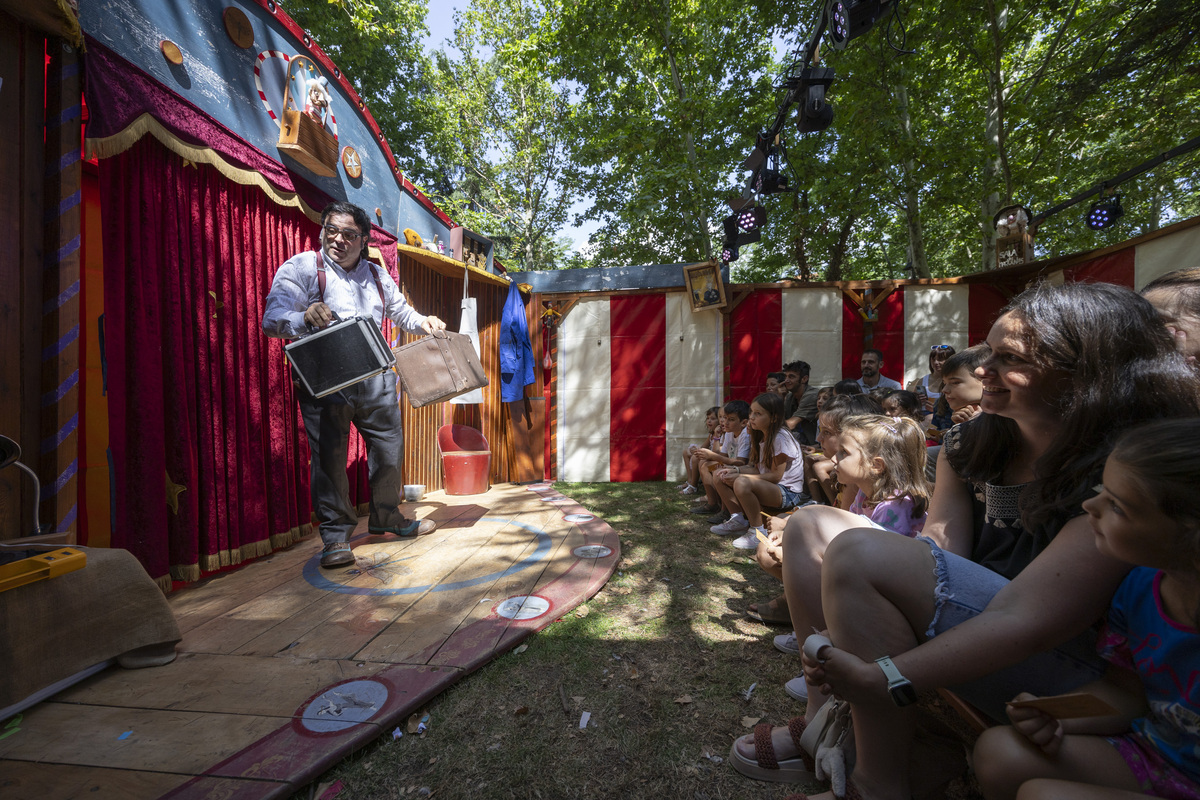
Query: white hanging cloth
(468, 326)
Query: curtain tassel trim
(118, 143)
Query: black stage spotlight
(815, 112)
(849, 19)
(1105, 212)
(772, 181)
(762, 147)
(731, 245)
(752, 219)
(730, 224)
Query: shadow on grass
(660, 661)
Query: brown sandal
(773, 612)
(766, 766)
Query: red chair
(466, 459)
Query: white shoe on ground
(747, 541)
(786, 643)
(689, 489)
(735, 524)
(797, 689)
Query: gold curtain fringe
(164, 583)
(119, 142)
(289, 538)
(73, 32)
(185, 572)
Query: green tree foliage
(378, 45)
(1001, 103)
(670, 94)
(646, 109)
(508, 126)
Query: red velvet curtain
(210, 457)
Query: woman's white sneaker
(735, 524)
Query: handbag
(829, 737)
(438, 367)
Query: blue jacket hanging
(516, 353)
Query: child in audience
(903, 403)
(774, 477)
(1176, 296)
(775, 382)
(1147, 513)
(846, 387)
(883, 458)
(733, 452)
(691, 464)
(824, 395)
(962, 391)
(837, 410)
(961, 387)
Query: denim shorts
(963, 590)
(791, 499)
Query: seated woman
(1006, 568)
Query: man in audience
(800, 402)
(872, 363)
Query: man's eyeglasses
(937, 348)
(349, 235)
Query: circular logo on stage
(343, 706)
(592, 551)
(351, 162)
(557, 499)
(526, 606)
(579, 517)
(540, 487)
(386, 567)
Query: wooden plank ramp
(285, 668)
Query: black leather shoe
(337, 554)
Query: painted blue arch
(316, 577)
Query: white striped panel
(812, 332)
(932, 315)
(1166, 254)
(693, 372)
(584, 400)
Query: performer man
(307, 291)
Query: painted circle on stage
(557, 499)
(525, 606)
(386, 566)
(579, 517)
(344, 706)
(539, 487)
(592, 551)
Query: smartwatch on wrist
(899, 687)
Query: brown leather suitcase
(438, 367)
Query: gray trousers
(373, 407)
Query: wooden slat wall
(432, 293)
(22, 162)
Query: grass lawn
(660, 659)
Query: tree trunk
(697, 219)
(838, 256)
(912, 207)
(995, 166)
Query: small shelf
(448, 266)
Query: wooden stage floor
(284, 668)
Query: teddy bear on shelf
(319, 98)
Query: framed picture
(704, 286)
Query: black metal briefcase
(340, 355)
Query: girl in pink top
(884, 459)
